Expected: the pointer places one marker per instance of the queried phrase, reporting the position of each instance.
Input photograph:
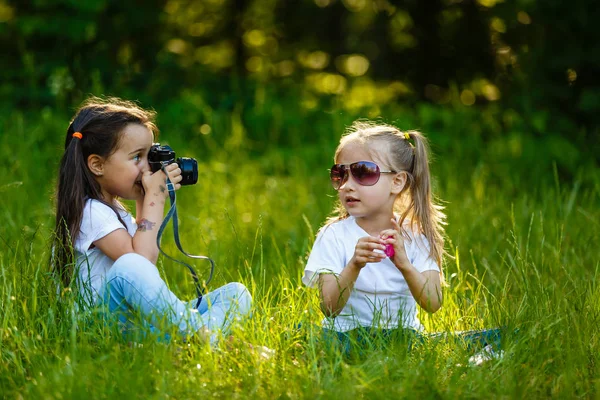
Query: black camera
(164, 155)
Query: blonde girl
(381, 254)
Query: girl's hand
(155, 184)
(364, 252)
(174, 175)
(394, 237)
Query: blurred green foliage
(534, 65)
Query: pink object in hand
(389, 250)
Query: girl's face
(121, 172)
(366, 202)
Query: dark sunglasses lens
(365, 172)
(337, 176)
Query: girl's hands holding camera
(150, 208)
(175, 176)
(155, 183)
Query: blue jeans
(133, 285)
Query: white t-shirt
(98, 220)
(380, 297)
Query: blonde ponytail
(421, 208)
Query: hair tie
(406, 136)
(78, 135)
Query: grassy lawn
(524, 230)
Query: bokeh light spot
(255, 64)
(285, 68)
(490, 92)
(355, 5)
(498, 25)
(488, 3)
(197, 29)
(314, 60)
(205, 129)
(323, 3)
(467, 97)
(523, 18)
(6, 12)
(354, 65)
(254, 38)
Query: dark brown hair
(101, 122)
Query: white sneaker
(486, 354)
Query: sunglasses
(366, 173)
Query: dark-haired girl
(105, 253)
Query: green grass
(523, 230)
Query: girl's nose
(145, 166)
(346, 182)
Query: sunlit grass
(524, 257)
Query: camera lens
(189, 170)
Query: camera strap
(173, 214)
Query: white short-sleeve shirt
(380, 297)
(98, 220)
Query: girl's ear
(399, 182)
(96, 164)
